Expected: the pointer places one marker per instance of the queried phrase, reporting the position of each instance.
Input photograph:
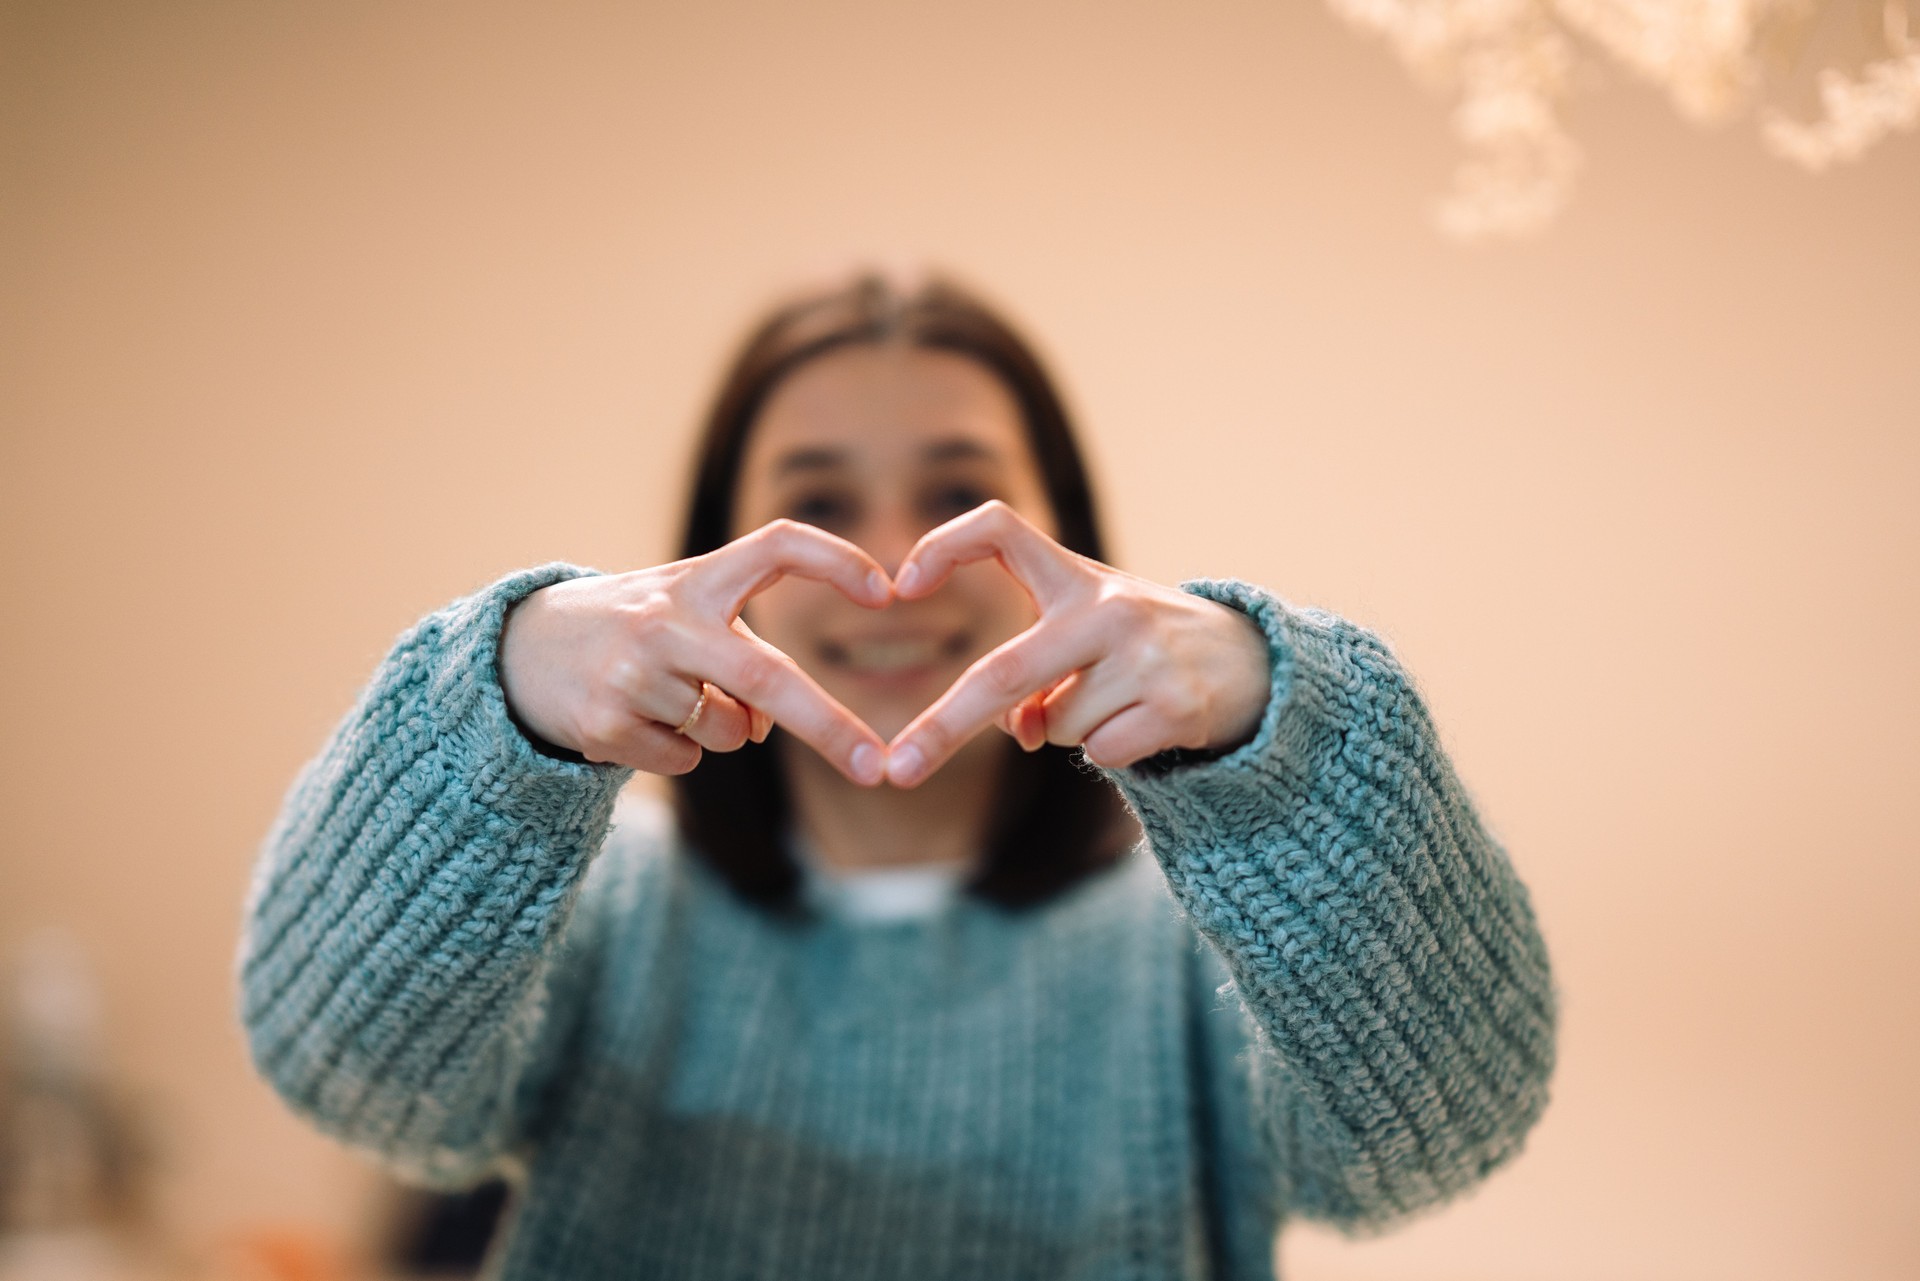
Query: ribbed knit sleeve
(1386, 951)
(409, 906)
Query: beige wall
(320, 315)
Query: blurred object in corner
(72, 1168)
(279, 1254)
(1511, 66)
(438, 1235)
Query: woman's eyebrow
(959, 448)
(824, 458)
(809, 460)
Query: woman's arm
(1403, 1006)
(408, 963)
(403, 952)
(1293, 789)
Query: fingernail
(904, 766)
(877, 585)
(866, 764)
(908, 578)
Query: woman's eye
(824, 510)
(952, 500)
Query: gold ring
(699, 706)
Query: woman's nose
(889, 537)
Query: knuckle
(679, 757)
(1005, 674)
(935, 739)
(1117, 749)
(648, 618)
(1180, 702)
(758, 677)
(1120, 607)
(601, 730)
(726, 731)
(998, 517)
(622, 674)
(1150, 656)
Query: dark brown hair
(1058, 820)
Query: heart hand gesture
(646, 669)
(1117, 664)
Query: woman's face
(879, 444)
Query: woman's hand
(1118, 664)
(614, 667)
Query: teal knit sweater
(1316, 989)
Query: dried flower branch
(1856, 111)
(1509, 62)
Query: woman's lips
(895, 658)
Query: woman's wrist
(1246, 682)
(508, 684)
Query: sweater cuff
(468, 709)
(1299, 730)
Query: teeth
(893, 655)
(884, 657)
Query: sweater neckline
(878, 895)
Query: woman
(894, 996)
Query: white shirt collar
(879, 895)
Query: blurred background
(319, 316)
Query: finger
(1012, 721)
(1033, 660)
(729, 576)
(1095, 695)
(1026, 721)
(1029, 721)
(760, 724)
(723, 723)
(643, 744)
(992, 530)
(1133, 735)
(757, 674)
(1009, 720)
(668, 695)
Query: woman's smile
(878, 445)
(896, 660)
